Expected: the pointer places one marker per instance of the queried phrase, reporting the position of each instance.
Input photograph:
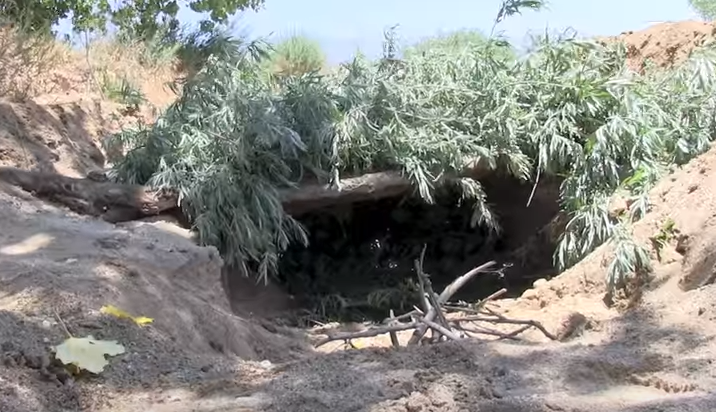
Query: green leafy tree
(143, 18)
(705, 8)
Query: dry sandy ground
(665, 44)
(199, 356)
(59, 268)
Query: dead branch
(431, 302)
(368, 333)
(121, 202)
(441, 329)
(490, 298)
(489, 312)
(408, 315)
(458, 283)
(485, 331)
(475, 309)
(516, 332)
(505, 320)
(447, 293)
(112, 201)
(393, 336)
(422, 322)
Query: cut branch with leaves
(235, 140)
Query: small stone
(539, 282)
(266, 364)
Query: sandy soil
(665, 44)
(206, 352)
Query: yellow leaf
(87, 353)
(119, 313)
(143, 320)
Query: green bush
(460, 41)
(569, 108)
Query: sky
(342, 28)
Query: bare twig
(368, 333)
(475, 309)
(62, 323)
(490, 298)
(443, 330)
(490, 312)
(408, 315)
(427, 289)
(485, 331)
(516, 332)
(393, 336)
(453, 287)
(510, 321)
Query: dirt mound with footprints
(209, 350)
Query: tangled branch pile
(433, 315)
(237, 137)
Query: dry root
(434, 315)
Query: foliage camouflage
(569, 108)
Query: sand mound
(69, 267)
(664, 44)
(59, 137)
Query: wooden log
(366, 187)
(370, 186)
(117, 202)
(113, 202)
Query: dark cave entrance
(360, 260)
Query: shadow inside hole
(359, 263)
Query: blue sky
(342, 28)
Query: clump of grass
(295, 55)
(122, 91)
(27, 60)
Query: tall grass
(295, 55)
(26, 60)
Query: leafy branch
(571, 108)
